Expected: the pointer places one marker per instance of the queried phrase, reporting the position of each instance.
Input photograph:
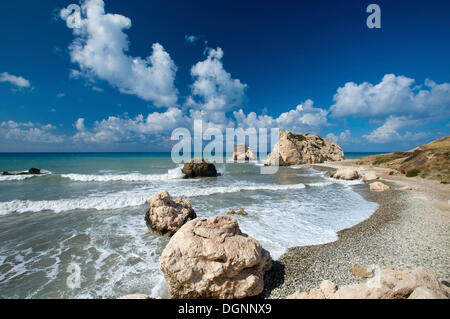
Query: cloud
(190, 39)
(214, 91)
(390, 131)
(17, 81)
(100, 49)
(60, 95)
(118, 129)
(304, 118)
(393, 96)
(343, 137)
(29, 132)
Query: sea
(78, 231)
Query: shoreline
(409, 229)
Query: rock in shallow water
(212, 258)
(243, 153)
(166, 216)
(199, 168)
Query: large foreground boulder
(199, 168)
(212, 258)
(243, 153)
(387, 283)
(166, 216)
(297, 149)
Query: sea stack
(297, 149)
(243, 153)
(210, 258)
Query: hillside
(431, 161)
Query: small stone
(242, 212)
(361, 272)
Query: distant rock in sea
(199, 167)
(31, 171)
(166, 216)
(243, 153)
(297, 149)
(210, 258)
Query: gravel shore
(410, 229)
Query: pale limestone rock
(369, 176)
(406, 188)
(346, 174)
(426, 293)
(409, 280)
(298, 295)
(243, 153)
(386, 284)
(328, 288)
(297, 149)
(316, 294)
(166, 216)
(379, 187)
(355, 291)
(212, 258)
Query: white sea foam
(127, 198)
(131, 177)
(6, 178)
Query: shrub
(413, 172)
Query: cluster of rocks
(387, 283)
(31, 171)
(369, 177)
(166, 216)
(199, 167)
(240, 212)
(243, 153)
(206, 257)
(297, 149)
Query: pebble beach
(409, 229)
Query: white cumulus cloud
(17, 81)
(393, 96)
(100, 49)
(29, 132)
(214, 91)
(391, 131)
(119, 129)
(304, 118)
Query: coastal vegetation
(430, 161)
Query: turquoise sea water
(89, 211)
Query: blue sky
(137, 70)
